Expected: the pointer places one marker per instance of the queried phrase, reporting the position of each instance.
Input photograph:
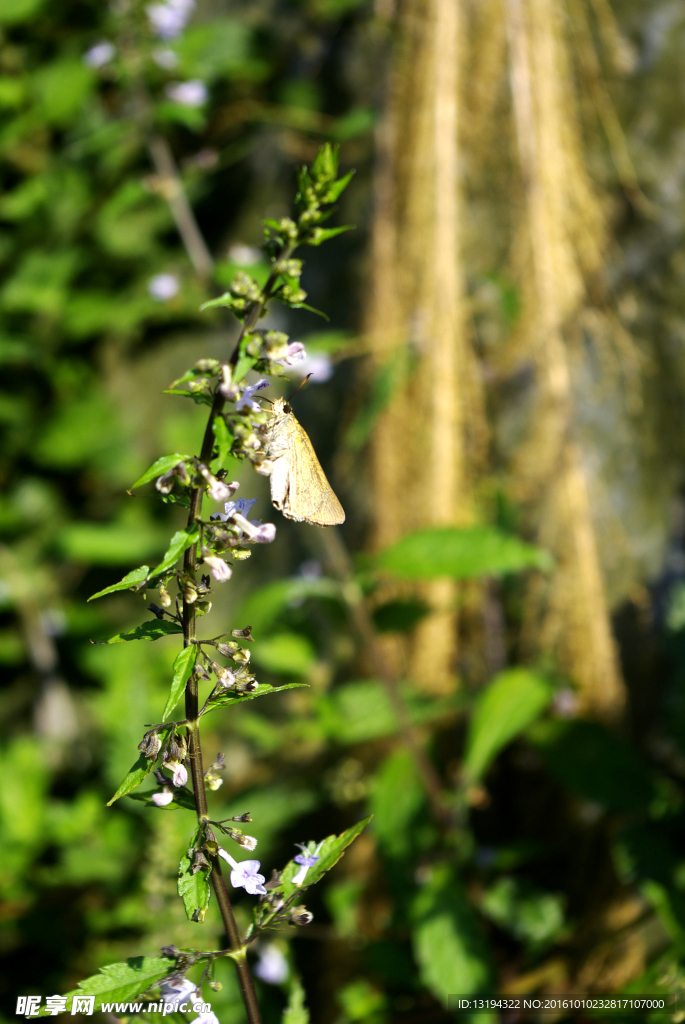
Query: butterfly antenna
(300, 385)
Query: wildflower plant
(214, 674)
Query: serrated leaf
(193, 888)
(323, 234)
(510, 703)
(129, 582)
(151, 630)
(181, 540)
(183, 666)
(223, 438)
(460, 553)
(139, 771)
(123, 981)
(228, 699)
(329, 854)
(161, 466)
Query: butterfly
(299, 488)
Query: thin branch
(171, 188)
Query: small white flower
(163, 287)
(218, 491)
(179, 774)
(221, 571)
(272, 966)
(188, 94)
(206, 1018)
(162, 798)
(168, 19)
(245, 874)
(244, 255)
(166, 59)
(247, 843)
(99, 55)
(246, 400)
(177, 990)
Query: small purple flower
(179, 773)
(258, 533)
(245, 874)
(164, 797)
(241, 505)
(295, 354)
(168, 19)
(318, 365)
(187, 94)
(99, 55)
(163, 287)
(272, 966)
(246, 400)
(307, 859)
(220, 570)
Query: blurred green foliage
(559, 823)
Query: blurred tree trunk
(415, 316)
(561, 250)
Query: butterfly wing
(310, 496)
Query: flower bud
(164, 596)
(242, 656)
(227, 649)
(247, 686)
(243, 634)
(300, 916)
(150, 745)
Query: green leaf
(243, 366)
(123, 981)
(223, 438)
(593, 763)
(510, 703)
(329, 854)
(161, 466)
(139, 771)
(153, 629)
(129, 582)
(181, 540)
(310, 309)
(193, 888)
(397, 797)
(223, 300)
(449, 945)
(295, 1012)
(183, 666)
(338, 187)
(320, 235)
(228, 699)
(460, 553)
